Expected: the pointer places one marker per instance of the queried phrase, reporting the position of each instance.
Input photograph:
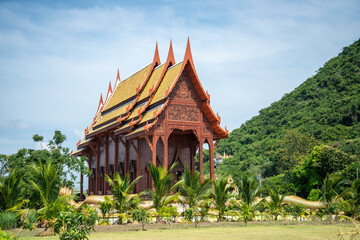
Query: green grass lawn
(292, 232)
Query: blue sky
(56, 58)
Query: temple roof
(135, 103)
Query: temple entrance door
(181, 151)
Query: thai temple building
(160, 114)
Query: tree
(325, 107)
(168, 214)
(106, 206)
(75, 224)
(221, 193)
(330, 195)
(10, 190)
(331, 189)
(191, 189)
(141, 215)
(46, 182)
(61, 156)
(21, 161)
(275, 201)
(293, 148)
(352, 199)
(121, 191)
(205, 206)
(163, 187)
(249, 189)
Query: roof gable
(137, 101)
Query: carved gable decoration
(184, 89)
(207, 130)
(183, 113)
(205, 120)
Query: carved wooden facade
(165, 118)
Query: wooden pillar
(166, 150)
(201, 143)
(153, 150)
(81, 186)
(116, 155)
(97, 179)
(89, 177)
(138, 166)
(211, 156)
(127, 150)
(192, 159)
(106, 142)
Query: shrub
(8, 220)
(142, 216)
(106, 206)
(6, 236)
(29, 220)
(75, 224)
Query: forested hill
(323, 109)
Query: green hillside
(325, 109)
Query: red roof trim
(101, 104)
(169, 62)
(109, 92)
(156, 62)
(117, 82)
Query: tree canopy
(317, 125)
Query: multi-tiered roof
(132, 107)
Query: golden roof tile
(135, 112)
(152, 81)
(149, 115)
(135, 131)
(78, 151)
(169, 78)
(127, 88)
(101, 128)
(114, 114)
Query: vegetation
(106, 207)
(121, 191)
(192, 189)
(311, 132)
(275, 201)
(142, 216)
(351, 204)
(221, 194)
(21, 162)
(163, 187)
(10, 190)
(75, 224)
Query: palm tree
(10, 190)
(191, 189)
(274, 204)
(45, 179)
(121, 191)
(163, 187)
(352, 198)
(249, 189)
(331, 194)
(221, 193)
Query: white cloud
(79, 134)
(41, 146)
(14, 124)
